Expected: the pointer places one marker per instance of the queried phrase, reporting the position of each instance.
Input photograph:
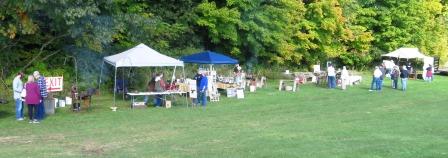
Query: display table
(221, 85)
(133, 95)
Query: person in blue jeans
(43, 93)
(331, 76)
(404, 75)
(377, 78)
(202, 89)
(198, 78)
(17, 86)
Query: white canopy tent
(140, 56)
(405, 53)
(412, 53)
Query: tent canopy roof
(141, 56)
(406, 53)
(208, 57)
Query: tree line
(49, 34)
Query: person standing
(373, 84)
(331, 76)
(344, 78)
(376, 77)
(17, 86)
(394, 76)
(32, 99)
(383, 75)
(43, 94)
(429, 74)
(198, 78)
(160, 86)
(202, 89)
(404, 75)
(151, 88)
(237, 74)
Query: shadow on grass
(4, 114)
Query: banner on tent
(54, 84)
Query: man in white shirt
(377, 74)
(17, 86)
(331, 77)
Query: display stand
(282, 85)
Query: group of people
(158, 84)
(33, 93)
(331, 75)
(380, 72)
(396, 73)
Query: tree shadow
(5, 114)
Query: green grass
(314, 122)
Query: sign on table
(54, 84)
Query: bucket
(62, 103)
(68, 100)
(49, 105)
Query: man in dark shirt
(404, 75)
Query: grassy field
(314, 122)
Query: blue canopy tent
(208, 57)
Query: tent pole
(123, 80)
(186, 95)
(115, 85)
(174, 76)
(101, 75)
(183, 72)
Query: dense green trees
(38, 34)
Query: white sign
(54, 84)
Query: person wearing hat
(377, 77)
(404, 75)
(17, 86)
(394, 76)
(43, 93)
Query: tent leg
(174, 75)
(122, 84)
(101, 75)
(115, 86)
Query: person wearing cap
(43, 93)
(404, 75)
(202, 89)
(17, 86)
